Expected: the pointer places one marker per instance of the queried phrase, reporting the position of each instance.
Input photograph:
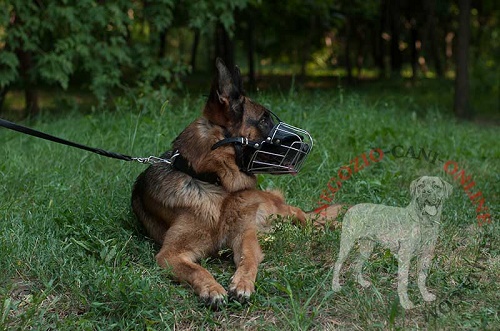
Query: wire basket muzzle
(283, 152)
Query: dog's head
(263, 143)
(429, 194)
(230, 108)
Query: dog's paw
(407, 304)
(363, 282)
(241, 290)
(336, 287)
(428, 296)
(214, 296)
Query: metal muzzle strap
(282, 152)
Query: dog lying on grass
(206, 199)
(407, 232)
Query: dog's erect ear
(448, 188)
(224, 100)
(229, 86)
(225, 85)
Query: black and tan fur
(192, 218)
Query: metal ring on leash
(155, 159)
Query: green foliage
(485, 60)
(304, 23)
(159, 13)
(8, 72)
(204, 13)
(102, 46)
(68, 40)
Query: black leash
(38, 134)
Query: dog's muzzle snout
(430, 201)
(282, 152)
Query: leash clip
(155, 159)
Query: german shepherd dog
(206, 199)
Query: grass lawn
(73, 256)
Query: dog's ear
(229, 86)
(224, 102)
(225, 85)
(448, 188)
(413, 187)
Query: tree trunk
(347, 51)
(413, 48)
(30, 92)
(163, 43)
(3, 93)
(461, 104)
(305, 50)
(394, 27)
(360, 57)
(250, 54)
(224, 47)
(433, 37)
(378, 41)
(194, 49)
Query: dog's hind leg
(365, 250)
(155, 227)
(346, 243)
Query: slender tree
(194, 49)
(461, 104)
(224, 45)
(251, 54)
(394, 16)
(432, 32)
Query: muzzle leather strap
(180, 163)
(282, 152)
(235, 140)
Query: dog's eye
(263, 120)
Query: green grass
(73, 256)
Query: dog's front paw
(241, 290)
(336, 286)
(428, 296)
(214, 296)
(363, 282)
